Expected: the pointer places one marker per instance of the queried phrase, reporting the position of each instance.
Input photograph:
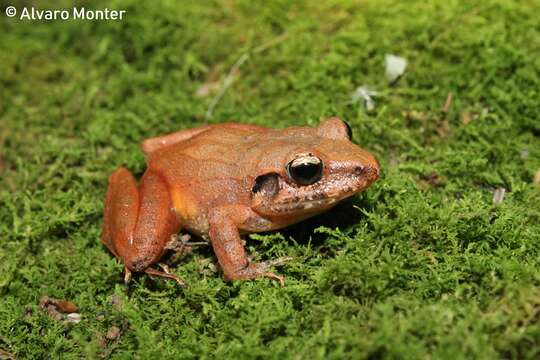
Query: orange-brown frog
(222, 181)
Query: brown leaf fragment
(57, 308)
(113, 333)
(64, 306)
(180, 247)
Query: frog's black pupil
(349, 130)
(305, 174)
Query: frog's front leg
(229, 249)
(138, 221)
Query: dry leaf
(64, 306)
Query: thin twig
(234, 69)
(447, 103)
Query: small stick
(447, 103)
(230, 75)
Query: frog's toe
(165, 275)
(276, 277)
(127, 275)
(279, 261)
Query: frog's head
(308, 170)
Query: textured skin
(204, 180)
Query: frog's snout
(370, 172)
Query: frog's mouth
(276, 194)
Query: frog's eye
(305, 169)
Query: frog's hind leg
(138, 221)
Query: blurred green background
(422, 265)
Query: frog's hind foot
(166, 275)
(128, 275)
(138, 221)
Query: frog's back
(215, 154)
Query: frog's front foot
(232, 257)
(256, 270)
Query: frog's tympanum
(222, 181)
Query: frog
(222, 182)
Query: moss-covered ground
(422, 265)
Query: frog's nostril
(366, 171)
(358, 170)
(372, 172)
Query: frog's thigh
(138, 221)
(120, 214)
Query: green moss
(422, 265)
